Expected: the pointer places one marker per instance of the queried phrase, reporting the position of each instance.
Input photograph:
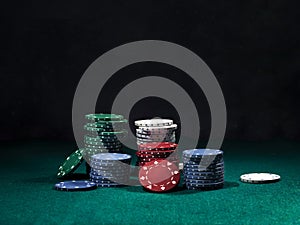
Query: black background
(251, 46)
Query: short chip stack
(156, 140)
(110, 169)
(155, 151)
(155, 130)
(104, 132)
(203, 169)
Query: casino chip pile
(110, 169)
(104, 132)
(155, 140)
(203, 169)
(159, 175)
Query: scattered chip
(71, 163)
(75, 185)
(260, 178)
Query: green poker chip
(102, 139)
(71, 163)
(104, 117)
(108, 144)
(109, 123)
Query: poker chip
(260, 178)
(112, 185)
(195, 153)
(75, 185)
(157, 131)
(108, 124)
(153, 122)
(110, 157)
(153, 137)
(175, 162)
(204, 177)
(103, 117)
(158, 146)
(71, 163)
(159, 176)
(160, 129)
(201, 166)
(203, 169)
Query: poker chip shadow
(76, 176)
(230, 184)
(46, 180)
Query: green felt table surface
(28, 174)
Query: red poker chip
(144, 156)
(153, 154)
(153, 159)
(157, 146)
(159, 175)
(166, 152)
(176, 162)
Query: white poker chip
(153, 122)
(161, 129)
(260, 178)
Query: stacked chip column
(203, 169)
(155, 140)
(103, 134)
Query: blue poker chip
(203, 173)
(210, 159)
(207, 177)
(203, 162)
(109, 166)
(108, 175)
(110, 163)
(110, 157)
(202, 169)
(200, 165)
(110, 170)
(109, 181)
(75, 185)
(101, 185)
(202, 152)
(204, 185)
(102, 181)
(194, 181)
(204, 188)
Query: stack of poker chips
(155, 140)
(203, 169)
(110, 169)
(155, 130)
(103, 134)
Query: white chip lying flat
(153, 122)
(260, 178)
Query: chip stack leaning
(203, 169)
(155, 140)
(110, 169)
(103, 134)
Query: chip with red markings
(159, 175)
(157, 146)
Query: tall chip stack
(155, 140)
(203, 169)
(103, 134)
